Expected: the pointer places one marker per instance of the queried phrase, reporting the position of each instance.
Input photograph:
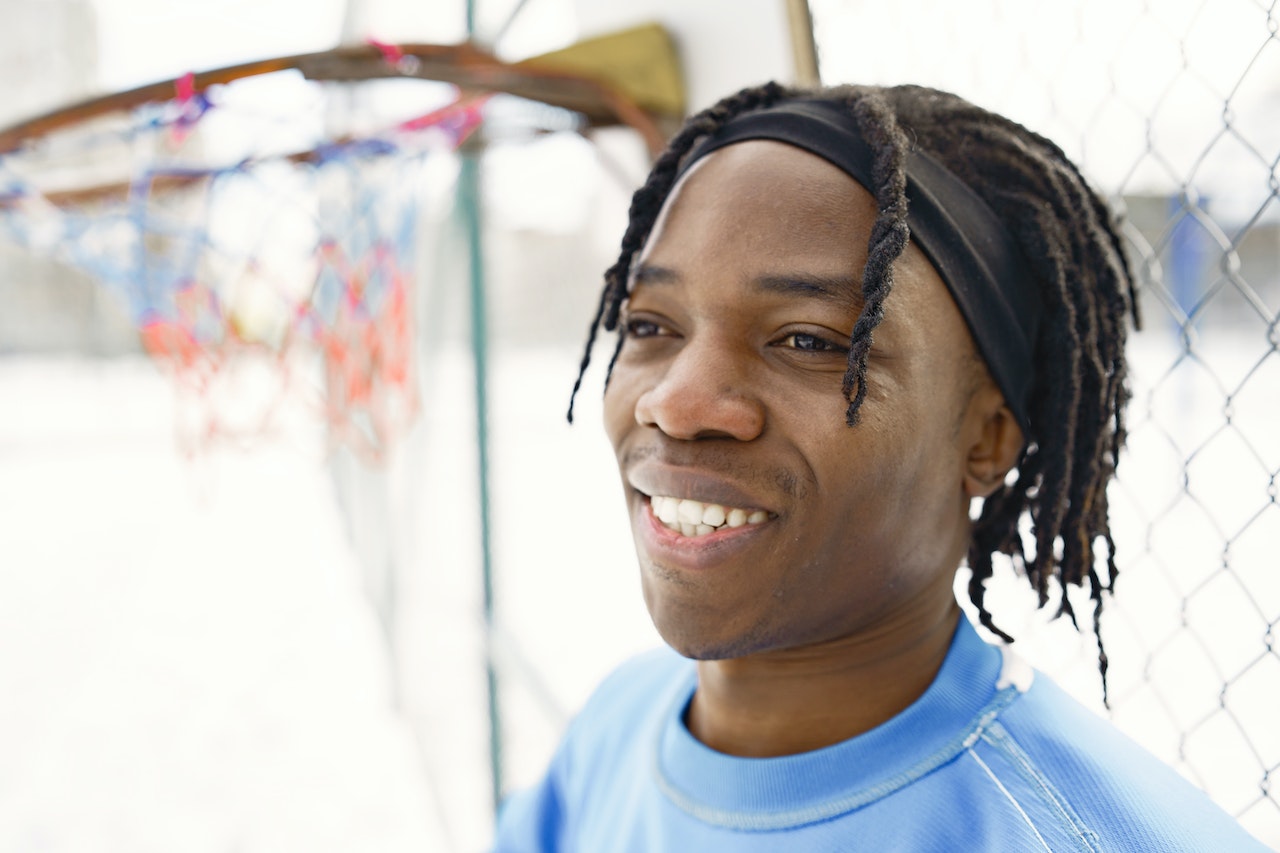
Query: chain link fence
(1171, 109)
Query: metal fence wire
(1173, 110)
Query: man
(844, 318)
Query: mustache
(720, 459)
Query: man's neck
(793, 701)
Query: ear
(994, 442)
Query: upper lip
(657, 477)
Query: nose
(704, 391)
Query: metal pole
(471, 20)
(469, 196)
(804, 49)
(469, 203)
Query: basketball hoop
(259, 221)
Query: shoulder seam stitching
(997, 737)
(1026, 817)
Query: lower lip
(693, 552)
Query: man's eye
(643, 329)
(811, 343)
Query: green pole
(469, 192)
(469, 202)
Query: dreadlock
(1073, 250)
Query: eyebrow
(827, 288)
(650, 274)
(839, 289)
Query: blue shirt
(992, 757)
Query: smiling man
(847, 319)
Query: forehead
(769, 208)
(769, 199)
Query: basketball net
(260, 234)
(259, 222)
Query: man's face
(727, 396)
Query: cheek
(620, 404)
(874, 481)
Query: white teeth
(666, 509)
(691, 512)
(694, 518)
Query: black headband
(968, 245)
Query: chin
(699, 631)
(695, 644)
